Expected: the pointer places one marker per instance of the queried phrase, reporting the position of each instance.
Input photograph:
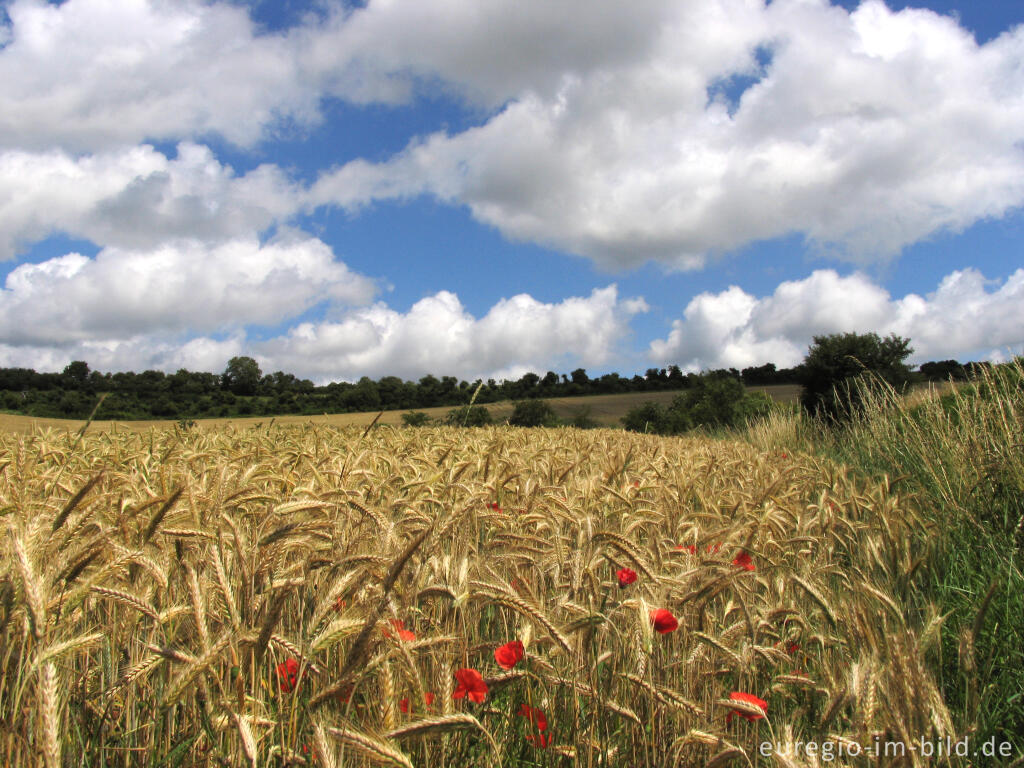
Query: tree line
(244, 390)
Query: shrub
(469, 416)
(415, 419)
(832, 374)
(581, 418)
(533, 413)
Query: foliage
(581, 418)
(242, 376)
(469, 416)
(415, 419)
(533, 413)
(713, 401)
(829, 373)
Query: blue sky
(484, 189)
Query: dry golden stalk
(376, 750)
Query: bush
(581, 418)
(415, 419)
(712, 401)
(832, 374)
(469, 416)
(533, 413)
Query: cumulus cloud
(966, 317)
(136, 197)
(181, 287)
(437, 335)
(865, 131)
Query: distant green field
(606, 410)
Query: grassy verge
(960, 455)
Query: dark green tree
(533, 413)
(242, 376)
(838, 367)
(75, 374)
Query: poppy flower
(344, 695)
(403, 633)
(664, 622)
(471, 684)
(744, 561)
(428, 699)
(535, 715)
(494, 505)
(747, 698)
(689, 548)
(288, 675)
(339, 604)
(509, 654)
(626, 577)
(792, 648)
(713, 549)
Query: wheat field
(314, 595)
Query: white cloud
(180, 287)
(866, 131)
(967, 317)
(437, 335)
(136, 197)
(94, 74)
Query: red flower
(403, 633)
(664, 622)
(690, 548)
(428, 699)
(339, 604)
(536, 717)
(636, 483)
(793, 648)
(494, 505)
(744, 561)
(509, 654)
(345, 695)
(288, 675)
(626, 576)
(747, 698)
(471, 683)
(713, 549)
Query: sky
(481, 189)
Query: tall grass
(961, 455)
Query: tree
(75, 374)
(533, 413)
(833, 373)
(242, 376)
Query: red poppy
(690, 548)
(345, 695)
(494, 505)
(793, 648)
(713, 549)
(288, 675)
(403, 633)
(428, 699)
(744, 561)
(664, 622)
(509, 654)
(471, 683)
(626, 576)
(636, 483)
(535, 715)
(339, 604)
(747, 698)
